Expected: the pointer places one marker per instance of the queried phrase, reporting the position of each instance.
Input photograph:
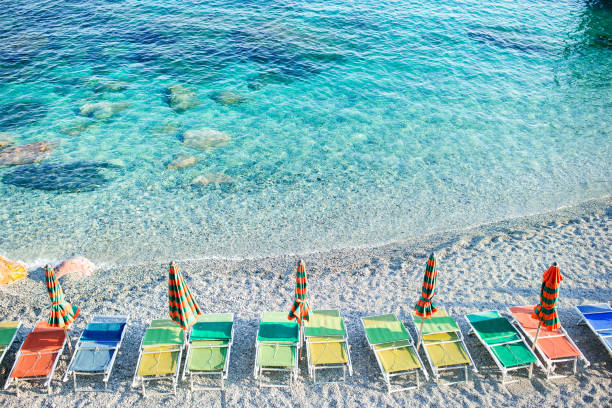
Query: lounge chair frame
(221, 373)
(106, 373)
(437, 370)
(584, 321)
(388, 376)
(46, 379)
(506, 377)
(259, 370)
(550, 364)
(8, 346)
(172, 377)
(313, 367)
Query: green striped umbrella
(63, 312)
(546, 311)
(300, 309)
(182, 306)
(424, 306)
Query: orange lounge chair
(37, 358)
(553, 347)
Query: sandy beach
(490, 267)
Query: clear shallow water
(362, 122)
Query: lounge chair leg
(74, 386)
(575, 365)
(466, 374)
(530, 370)
(416, 372)
(144, 392)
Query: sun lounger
(553, 347)
(599, 319)
(393, 348)
(209, 348)
(503, 342)
(327, 343)
(8, 333)
(276, 347)
(37, 358)
(443, 345)
(160, 355)
(97, 348)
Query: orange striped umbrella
(182, 306)
(546, 311)
(63, 312)
(424, 306)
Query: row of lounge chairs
(208, 345)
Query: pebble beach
(491, 267)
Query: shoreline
(434, 240)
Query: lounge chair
(97, 348)
(327, 343)
(393, 348)
(276, 347)
(443, 345)
(553, 347)
(209, 348)
(160, 355)
(503, 342)
(38, 356)
(599, 319)
(8, 333)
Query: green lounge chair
(327, 343)
(503, 342)
(276, 347)
(160, 355)
(8, 333)
(209, 348)
(393, 348)
(443, 345)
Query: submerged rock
(66, 178)
(181, 161)
(271, 77)
(181, 98)
(78, 128)
(166, 128)
(109, 86)
(77, 266)
(228, 98)
(16, 114)
(102, 110)
(205, 138)
(26, 154)
(5, 141)
(205, 179)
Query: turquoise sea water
(352, 122)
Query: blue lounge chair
(599, 319)
(97, 348)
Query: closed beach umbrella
(546, 311)
(182, 306)
(63, 312)
(425, 307)
(300, 309)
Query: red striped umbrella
(63, 312)
(425, 307)
(182, 306)
(546, 311)
(300, 309)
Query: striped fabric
(546, 310)
(425, 307)
(182, 306)
(300, 309)
(62, 312)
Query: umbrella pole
(420, 334)
(536, 336)
(68, 338)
